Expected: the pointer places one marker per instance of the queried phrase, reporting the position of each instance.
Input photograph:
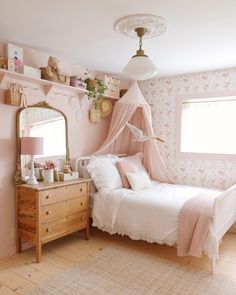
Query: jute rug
(118, 270)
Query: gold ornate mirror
(41, 120)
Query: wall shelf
(39, 86)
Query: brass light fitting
(140, 33)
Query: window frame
(193, 155)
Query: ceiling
(201, 34)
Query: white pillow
(139, 181)
(104, 172)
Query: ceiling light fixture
(140, 67)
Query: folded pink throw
(194, 224)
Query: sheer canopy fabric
(132, 108)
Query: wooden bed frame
(224, 213)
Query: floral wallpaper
(161, 94)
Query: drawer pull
(48, 229)
(82, 203)
(81, 189)
(48, 212)
(82, 218)
(48, 197)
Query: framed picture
(14, 57)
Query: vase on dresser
(48, 175)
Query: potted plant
(96, 89)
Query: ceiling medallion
(155, 25)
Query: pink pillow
(123, 168)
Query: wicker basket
(15, 95)
(94, 115)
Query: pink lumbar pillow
(124, 167)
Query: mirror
(41, 120)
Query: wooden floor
(20, 273)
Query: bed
(152, 214)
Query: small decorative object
(77, 82)
(14, 57)
(106, 108)
(68, 176)
(52, 72)
(30, 71)
(139, 136)
(56, 175)
(48, 172)
(15, 95)
(96, 89)
(67, 167)
(32, 146)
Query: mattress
(151, 214)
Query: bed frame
(224, 214)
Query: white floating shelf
(45, 87)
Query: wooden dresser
(45, 212)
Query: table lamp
(32, 146)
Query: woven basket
(15, 95)
(94, 115)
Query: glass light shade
(140, 68)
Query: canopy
(132, 108)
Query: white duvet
(150, 215)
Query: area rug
(122, 271)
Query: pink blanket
(194, 224)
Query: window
(53, 132)
(208, 126)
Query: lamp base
(32, 180)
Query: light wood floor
(20, 273)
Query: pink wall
(84, 138)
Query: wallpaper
(161, 94)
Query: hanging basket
(15, 95)
(94, 115)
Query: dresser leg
(87, 235)
(19, 247)
(38, 252)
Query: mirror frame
(45, 105)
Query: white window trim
(201, 156)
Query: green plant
(96, 90)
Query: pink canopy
(132, 108)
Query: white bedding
(150, 214)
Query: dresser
(45, 212)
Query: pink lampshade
(31, 145)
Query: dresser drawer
(63, 225)
(63, 193)
(61, 209)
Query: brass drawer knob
(48, 229)
(48, 197)
(48, 212)
(81, 189)
(82, 203)
(82, 218)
